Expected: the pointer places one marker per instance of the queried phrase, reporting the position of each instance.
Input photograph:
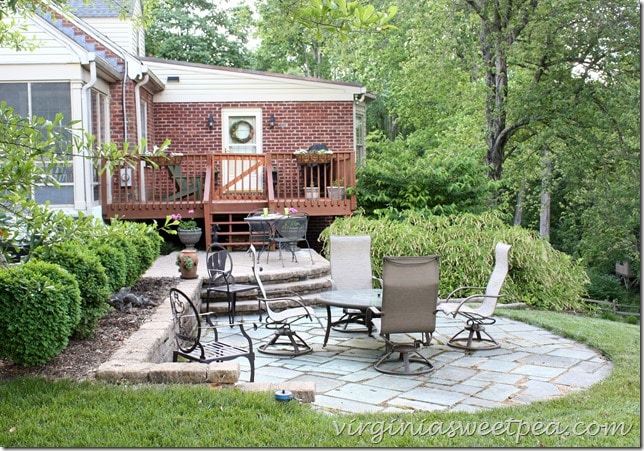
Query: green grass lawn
(36, 413)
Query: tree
(199, 31)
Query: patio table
(269, 220)
(353, 299)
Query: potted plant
(187, 229)
(313, 156)
(336, 190)
(312, 192)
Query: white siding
(48, 49)
(120, 32)
(204, 84)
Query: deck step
(304, 279)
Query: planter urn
(189, 237)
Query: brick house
(233, 132)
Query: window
(361, 148)
(99, 128)
(46, 100)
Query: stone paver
(532, 364)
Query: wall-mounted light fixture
(211, 122)
(271, 121)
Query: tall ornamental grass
(539, 275)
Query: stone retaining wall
(146, 356)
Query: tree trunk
(501, 25)
(518, 208)
(544, 213)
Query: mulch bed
(81, 358)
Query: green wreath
(233, 132)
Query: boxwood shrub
(39, 309)
(115, 263)
(92, 279)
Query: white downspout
(87, 115)
(139, 127)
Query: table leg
(231, 307)
(328, 325)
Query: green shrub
(115, 264)
(605, 287)
(539, 275)
(39, 309)
(141, 244)
(92, 280)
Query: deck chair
(289, 231)
(350, 258)
(480, 315)
(219, 264)
(260, 234)
(409, 297)
(186, 185)
(285, 341)
(196, 335)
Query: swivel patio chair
(350, 258)
(285, 341)
(409, 297)
(196, 335)
(289, 231)
(480, 315)
(219, 264)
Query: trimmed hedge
(39, 308)
(92, 280)
(539, 275)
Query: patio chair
(285, 341)
(186, 185)
(479, 316)
(350, 258)
(219, 264)
(409, 297)
(260, 233)
(196, 335)
(289, 231)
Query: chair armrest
(372, 312)
(463, 301)
(450, 297)
(377, 279)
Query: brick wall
(297, 125)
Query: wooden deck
(222, 188)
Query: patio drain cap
(283, 395)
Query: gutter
(85, 105)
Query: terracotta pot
(189, 237)
(188, 263)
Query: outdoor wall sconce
(211, 122)
(271, 121)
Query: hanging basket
(310, 158)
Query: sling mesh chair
(289, 231)
(409, 297)
(285, 341)
(195, 344)
(480, 315)
(350, 258)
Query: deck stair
(301, 277)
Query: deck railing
(279, 180)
